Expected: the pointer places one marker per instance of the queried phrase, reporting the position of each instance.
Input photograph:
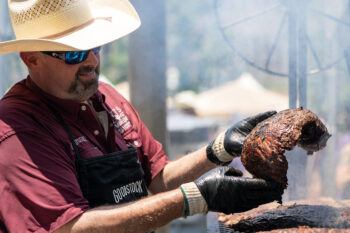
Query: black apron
(113, 178)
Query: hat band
(71, 30)
(55, 24)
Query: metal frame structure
(298, 44)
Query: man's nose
(92, 58)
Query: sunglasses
(72, 57)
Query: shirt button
(83, 107)
(96, 132)
(136, 143)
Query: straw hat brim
(108, 25)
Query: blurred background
(195, 67)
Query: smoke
(305, 40)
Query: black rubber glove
(229, 143)
(225, 191)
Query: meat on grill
(308, 230)
(264, 148)
(319, 215)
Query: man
(75, 156)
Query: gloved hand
(223, 190)
(229, 144)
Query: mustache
(78, 85)
(88, 69)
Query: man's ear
(29, 58)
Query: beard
(84, 89)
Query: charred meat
(264, 148)
(300, 216)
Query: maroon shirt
(39, 191)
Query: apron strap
(79, 170)
(67, 129)
(120, 140)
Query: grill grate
(223, 229)
(215, 226)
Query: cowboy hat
(68, 25)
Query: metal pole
(147, 65)
(5, 34)
(302, 54)
(297, 54)
(297, 92)
(292, 50)
(330, 156)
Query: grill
(215, 226)
(306, 216)
(223, 229)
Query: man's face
(85, 83)
(76, 82)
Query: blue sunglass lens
(75, 57)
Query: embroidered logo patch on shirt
(121, 121)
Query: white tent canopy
(244, 96)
